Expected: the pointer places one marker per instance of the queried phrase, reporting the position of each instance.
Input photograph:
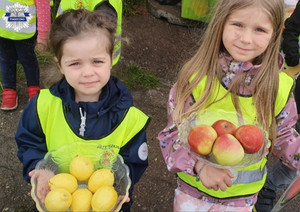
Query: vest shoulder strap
(284, 91)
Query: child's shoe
(265, 200)
(32, 91)
(9, 99)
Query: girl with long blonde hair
(237, 68)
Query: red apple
(224, 127)
(251, 138)
(201, 139)
(227, 150)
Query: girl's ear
(55, 60)
(58, 65)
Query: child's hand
(42, 44)
(120, 199)
(42, 177)
(215, 178)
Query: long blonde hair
(206, 63)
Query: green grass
(130, 7)
(134, 77)
(44, 57)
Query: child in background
(18, 44)
(280, 176)
(238, 64)
(89, 104)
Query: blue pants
(279, 177)
(12, 51)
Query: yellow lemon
(58, 199)
(63, 180)
(100, 178)
(81, 167)
(81, 200)
(104, 199)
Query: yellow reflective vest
(58, 131)
(17, 19)
(91, 5)
(252, 178)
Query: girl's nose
(246, 36)
(87, 70)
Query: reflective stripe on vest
(250, 179)
(58, 132)
(91, 5)
(17, 30)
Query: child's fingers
(223, 187)
(229, 173)
(42, 191)
(31, 173)
(42, 45)
(120, 199)
(215, 188)
(228, 182)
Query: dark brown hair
(74, 23)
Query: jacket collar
(114, 96)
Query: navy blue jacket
(105, 114)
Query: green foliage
(130, 7)
(135, 77)
(44, 57)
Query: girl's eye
(237, 24)
(260, 30)
(74, 64)
(98, 61)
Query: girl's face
(247, 33)
(86, 65)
